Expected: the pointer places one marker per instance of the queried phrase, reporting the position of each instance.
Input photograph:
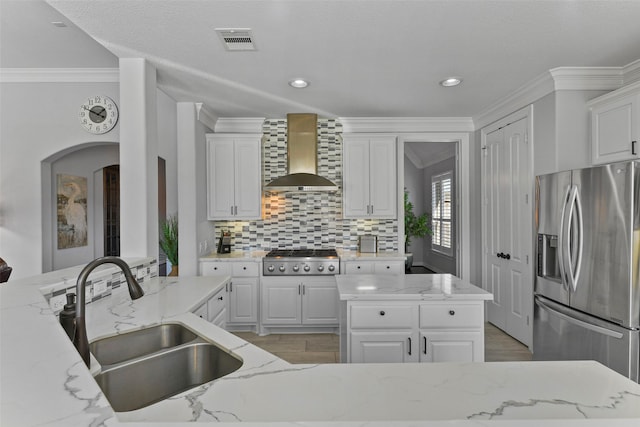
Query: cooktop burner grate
(302, 253)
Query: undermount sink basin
(140, 382)
(130, 345)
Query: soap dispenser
(68, 316)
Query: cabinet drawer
(395, 267)
(359, 268)
(451, 315)
(383, 317)
(216, 304)
(215, 269)
(245, 269)
(202, 312)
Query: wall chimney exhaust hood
(302, 158)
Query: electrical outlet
(57, 302)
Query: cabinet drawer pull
(358, 267)
(382, 313)
(409, 346)
(388, 267)
(425, 345)
(215, 268)
(451, 312)
(244, 268)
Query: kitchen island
(410, 318)
(45, 382)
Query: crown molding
(410, 154)
(239, 125)
(205, 115)
(406, 124)
(59, 75)
(561, 78)
(592, 78)
(631, 72)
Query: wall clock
(98, 114)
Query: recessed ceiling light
(451, 81)
(299, 83)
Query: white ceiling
(363, 58)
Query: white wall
(27, 137)
(84, 162)
(414, 183)
(167, 147)
(195, 236)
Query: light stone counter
(238, 256)
(44, 381)
(370, 287)
(373, 256)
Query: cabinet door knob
(244, 268)
(451, 312)
(508, 256)
(358, 267)
(388, 267)
(382, 313)
(219, 298)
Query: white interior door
(507, 218)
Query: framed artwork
(72, 211)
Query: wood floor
(325, 348)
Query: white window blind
(441, 199)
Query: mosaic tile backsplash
(305, 220)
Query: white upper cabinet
(370, 188)
(615, 125)
(233, 176)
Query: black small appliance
(224, 243)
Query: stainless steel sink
(140, 382)
(127, 346)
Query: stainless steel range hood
(302, 157)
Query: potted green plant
(169, 242)
(414, 226)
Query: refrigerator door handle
(581, 323)
(575, 209)
(562, 239)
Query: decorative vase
(408, 261)
(174, 270)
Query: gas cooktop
(293, 262)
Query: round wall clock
(99, 114)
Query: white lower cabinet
(384, 347)
(241, 292)
(296, 301)
(373, 267)
(214, 309)
(451, 347)
(415, 331)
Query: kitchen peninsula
(45, 382)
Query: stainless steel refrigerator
(587, 291)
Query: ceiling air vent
(235, 39)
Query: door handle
(589, 326)
(573, 270)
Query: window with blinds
(441, 199)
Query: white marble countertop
(370, 256)
(44, 381)
(235, 256)
(370, 287)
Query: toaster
(368, 243)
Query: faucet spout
(135, 291)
